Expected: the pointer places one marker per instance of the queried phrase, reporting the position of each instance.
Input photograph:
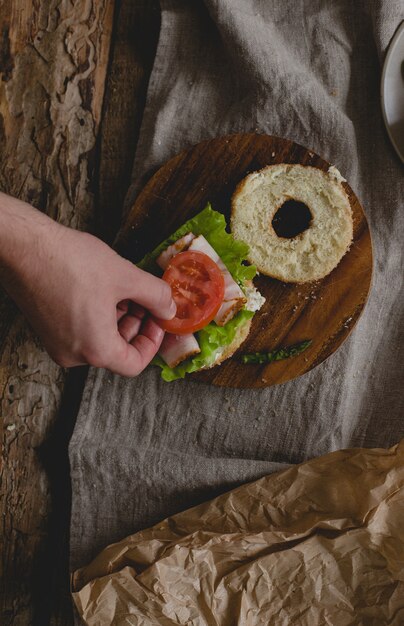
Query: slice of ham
(228, 310)
(234, 298)
(179, 246)
(177, 348)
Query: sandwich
(213, 290)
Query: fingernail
(173, 309)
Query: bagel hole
(292, 218)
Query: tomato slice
(197, 286)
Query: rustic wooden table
(72, 91)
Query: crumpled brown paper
(319, 543)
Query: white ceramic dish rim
(392, 48)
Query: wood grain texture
(133, 47)
(53, 60)
(324, 311)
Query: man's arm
(87, 304)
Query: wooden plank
(324, 311)
(35, 559)
(53, 62)
(132, 55)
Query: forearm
(24, 236)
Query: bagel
(229, 350)
(316, 195)
(254, 302)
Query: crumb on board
(347, 322)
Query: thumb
(149, 291)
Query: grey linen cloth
(309, 71)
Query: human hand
(87, 304)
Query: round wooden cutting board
(324, 311)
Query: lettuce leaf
(212, 225)
(210, 339)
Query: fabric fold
(143, 449)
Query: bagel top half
(308, 255)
